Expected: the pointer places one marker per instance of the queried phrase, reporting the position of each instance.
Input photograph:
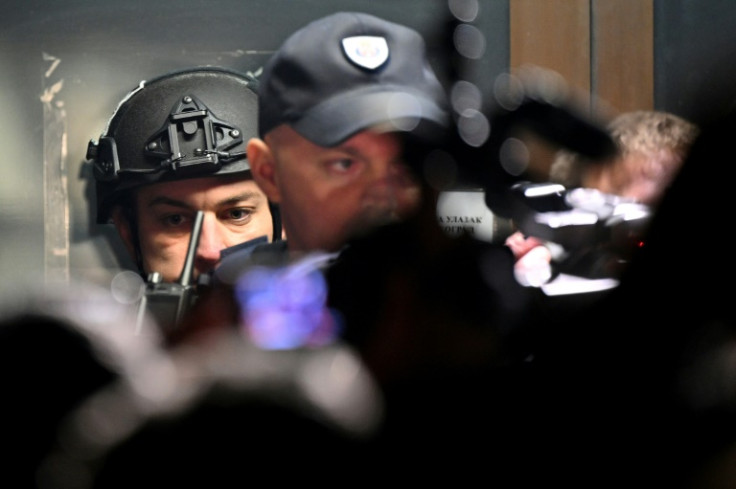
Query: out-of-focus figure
(60, 343)
(650, 366)
(651, 148)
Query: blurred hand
(533, 259)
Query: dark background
(64, 65)
(694, 46)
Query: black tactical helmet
(185, 124)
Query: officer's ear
(262, 169)
(125, 230)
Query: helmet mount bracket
(193, 139)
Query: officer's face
(328, 195)
(235, 210)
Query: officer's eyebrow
(350, 150)
(245, 196)
(164, 200)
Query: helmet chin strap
(130, 212)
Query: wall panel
(604, 48)
(553, 34)
(622, 64)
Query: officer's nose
(211, 242)
(391, 180)
(400, 175)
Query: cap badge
(366, 51)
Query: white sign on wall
(465, 211)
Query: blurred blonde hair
(649, 133)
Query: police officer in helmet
(175, 145)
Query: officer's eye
(174, 220)
(343, 165)
(240, 213)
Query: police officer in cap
(337, 102)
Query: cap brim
(335, 120)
